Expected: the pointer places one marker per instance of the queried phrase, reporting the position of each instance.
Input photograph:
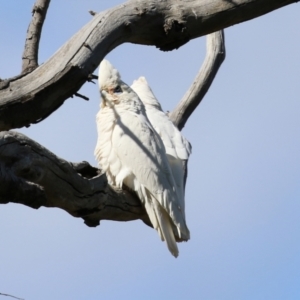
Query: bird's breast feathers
(128, 141)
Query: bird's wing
(177, 147)
(175, 143)
(138, 147)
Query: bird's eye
(117, 89)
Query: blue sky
(243, 188)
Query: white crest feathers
(107, 74)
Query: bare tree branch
(1, 294)
(166, 24)
(215, 55)
(31, 50)
(82, 96)
(33, 176)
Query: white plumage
(177, 146)
(130, 152)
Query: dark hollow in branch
(215, 56)
(33, 176)
(31, 49)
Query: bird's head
(143, 90)
(112, 89)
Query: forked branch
(33, 176)
(166, 24)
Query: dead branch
(7, 295)
(215, 55)
(31, 49)
(165, 24)
(82, 96)
(33, 176)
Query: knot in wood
(174, 25)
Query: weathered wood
(33, 176)
(31, 49)
(215, 55)
(166, 24)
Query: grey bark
(31, 49)
(215, 56)
(32, 175)
(166, 24)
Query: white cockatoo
(131, 153)
(177, 146)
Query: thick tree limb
(28, 178)
(165, 24)
(33, 176)
(31, 50)
(215, 55)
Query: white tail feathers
(164, 224)
(160, 219)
